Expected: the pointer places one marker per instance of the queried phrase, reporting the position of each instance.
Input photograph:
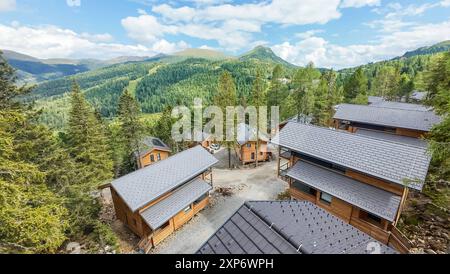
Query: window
(187, 209)
(326, 198)
(152, 158)
(261, 153)
(366, 216)
(159, 157)
(304, 188)
(249, 145)
(253, 156)
(164, 226)
(319, 162)
(201, 199)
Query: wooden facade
(378, 228)
(247, 152)
(152, 156)
(150, 238)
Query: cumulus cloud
(232, 25)
(73, 3)
(359, 3)
(7, 5)
(52, 41)
(326, 54)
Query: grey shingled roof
(287, 227)
(150, 143)
(393, 137)
(390, 117)
(155, 216)
(386, 160)
(246, 233)
(369, 198)
(141, 187)
(375, 99)
(400, 105)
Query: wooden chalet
(392, 118)
(246, 143)
(362, 180)
(152, 151)
(207, 139)
(157, 200)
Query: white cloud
(309, 33)
(359, 3)
(55, 42)
(445, 3)
(7, 5)
(73, 3)
(232, 25)
(277, 11)
(326, 54)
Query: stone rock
(430, 251)
(73, 248)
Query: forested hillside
(157, 83)
(171, 80)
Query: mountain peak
(264, 54)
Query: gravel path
(247, 184)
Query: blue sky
(330, 33)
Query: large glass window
(326, 198)
(304, 188)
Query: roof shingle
(141, 187)
(374, 200)
(388, 116)
(394, 162)
(155, 216)
(287, 227)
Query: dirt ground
(243, 184)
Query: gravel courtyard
(246, 184)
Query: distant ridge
(437, 48)
(203, 53)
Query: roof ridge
(385, 107)
(359, 135)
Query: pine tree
(357, 84)
(277, 91)
(87, 141)
(226, 97)
(257, 99)
(32, 217)
(131, 130)
(304, 84)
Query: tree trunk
(229, 157)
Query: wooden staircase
(146, 244)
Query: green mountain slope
(264, 54)
(157, 83)
(440, 47)
(34, 70)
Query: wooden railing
(283, 170)
(399, 241)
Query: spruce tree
(32, 217)
(226, 97)
(357, 84)
(257, 100)
(87, 141)
(131, 130)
